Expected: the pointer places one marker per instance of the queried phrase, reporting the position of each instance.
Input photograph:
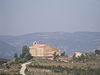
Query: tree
(97, 52)
(82, 57)
(25, 53)
(25, 50)
(74, 57)
(63, 53)
(28, 56)
(16, 56)
(55, 56)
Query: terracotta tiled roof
(39, 45)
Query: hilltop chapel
(43, 50)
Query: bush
(3, 73)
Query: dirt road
(22, 71)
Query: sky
(19, 17)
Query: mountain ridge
(69, 42)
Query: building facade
(43, 50)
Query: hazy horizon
(47, 32)
(18, 17)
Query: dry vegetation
(47, 67)
(10, 68)
(51, 67)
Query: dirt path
(22, 71)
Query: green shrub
(4, 73)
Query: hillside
(2, 60)
(69, 42)
(6, 50)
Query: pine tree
(16, 56)
(25, 53)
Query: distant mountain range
(69, 42)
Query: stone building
(78, 54)
(42, 50)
